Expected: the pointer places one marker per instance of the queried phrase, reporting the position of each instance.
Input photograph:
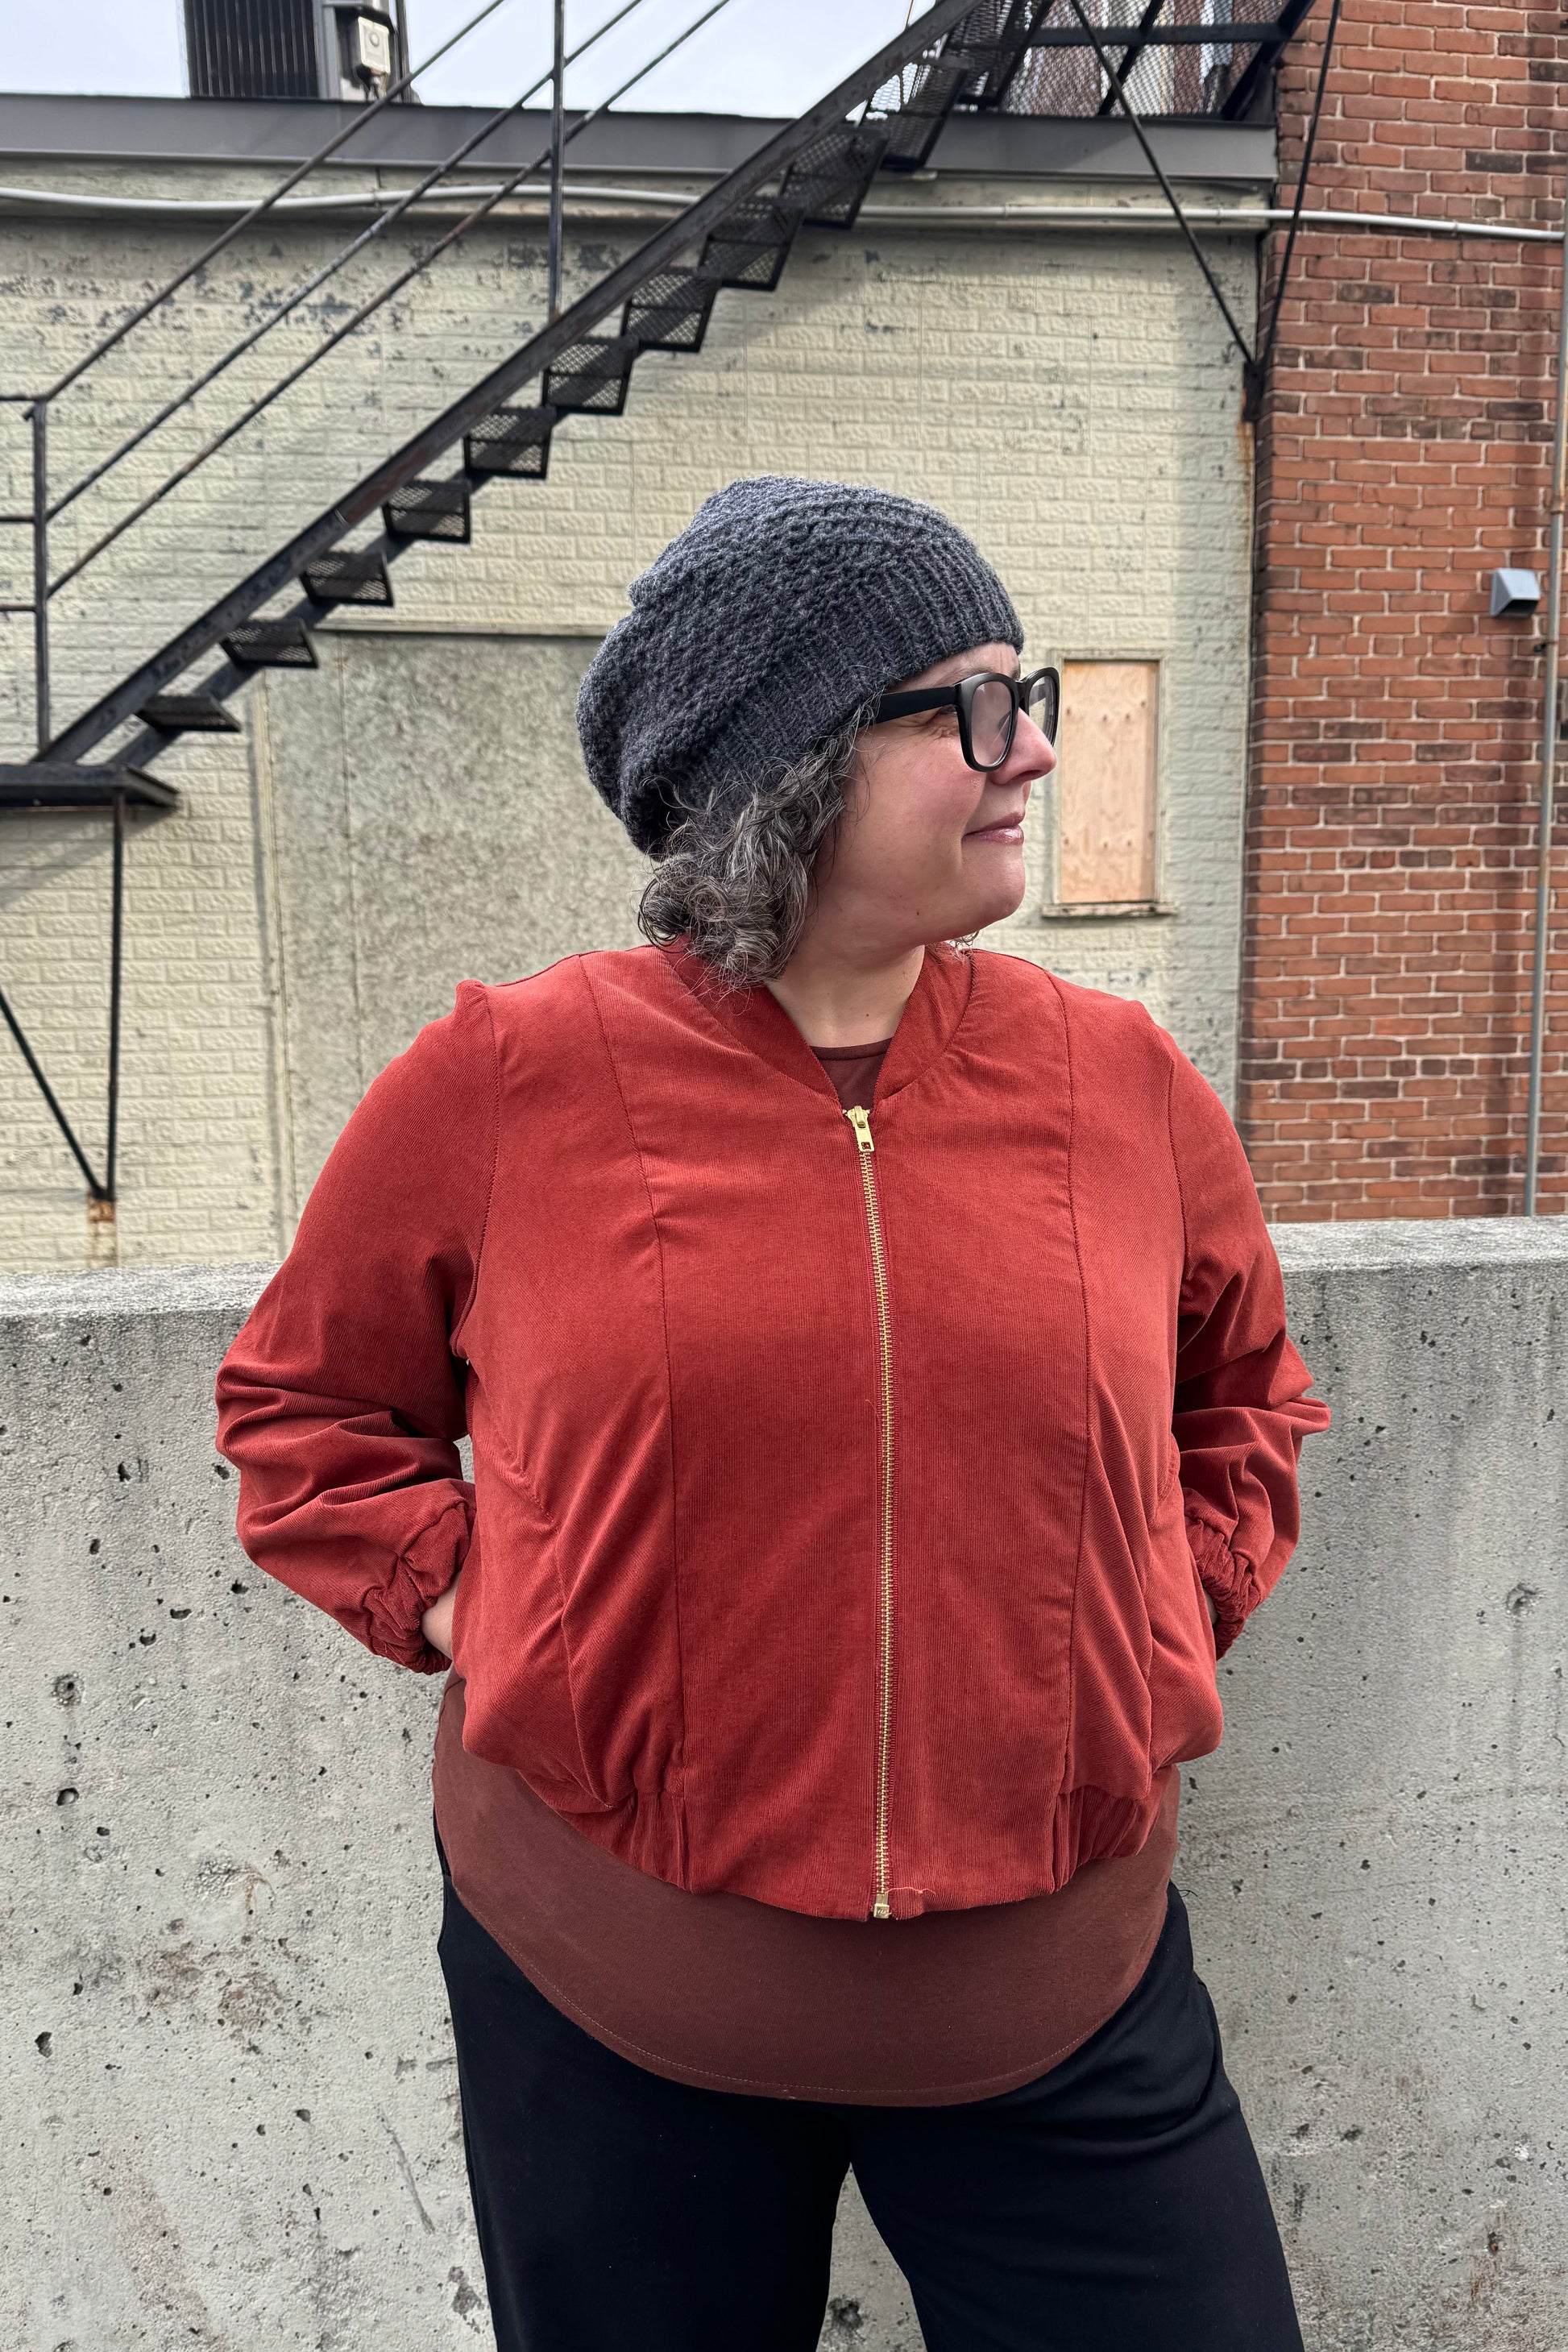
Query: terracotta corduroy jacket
(844, 1486)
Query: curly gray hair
(737, 887)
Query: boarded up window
(1106, 784)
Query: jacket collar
(756, 1020)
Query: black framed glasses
(987, 703)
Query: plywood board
(1106, 791)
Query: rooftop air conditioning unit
(294, 49)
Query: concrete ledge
(1385, 1246)
(1388, 1246)
(140, 1290)
(1393, 1244)
(235, 2115)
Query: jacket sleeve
(342, 1401)
(1241, 1407)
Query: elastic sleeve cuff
(420, 1577)
(1225, 1577)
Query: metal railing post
(557, 141)
(1549, 725)
(116, 965)
(40, 414)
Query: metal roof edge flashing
(270, 132)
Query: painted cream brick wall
(1067, 396)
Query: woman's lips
(1002, 828)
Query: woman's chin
(993, 896)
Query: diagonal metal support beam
(1014, 40)
(100, 1188)
(1266, 344)
(534, 356)
(1286, 24)
(1113, 76)
(1130, 56)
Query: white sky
(757, 57)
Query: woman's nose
(1032, 753)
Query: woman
(881, 1410)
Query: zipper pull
(881, 1909)
(860, 1121)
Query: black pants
(1114, 2205)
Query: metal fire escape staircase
(736, 237)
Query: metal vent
(252, 49)
(294, 49)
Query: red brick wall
(1403, 451)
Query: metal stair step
(270, 644)
(61, 783)
(590, 378)
(979, 60)
(749, 248)
(914, 130)
(189, 714)
(348, 575)
(829, 179)
(671, 313)
(513, 441)
(429, 510)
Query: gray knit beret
(781, 606)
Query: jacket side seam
(669, 1412)
(461, 1324)
(1176, 1157)
(1231, 1594)
(1189, 1509)
(526, 1480)
(1070, 1712)
(1186, 1228)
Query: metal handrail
(329, 269)
(340, 139)
(557, 143)
(367, 310)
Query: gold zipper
(858, 1120)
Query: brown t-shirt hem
(732, 1995)
(850, 2094)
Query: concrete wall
(430, 821)
(1068, 397)
(237, 2121)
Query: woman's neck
(833, 1001)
